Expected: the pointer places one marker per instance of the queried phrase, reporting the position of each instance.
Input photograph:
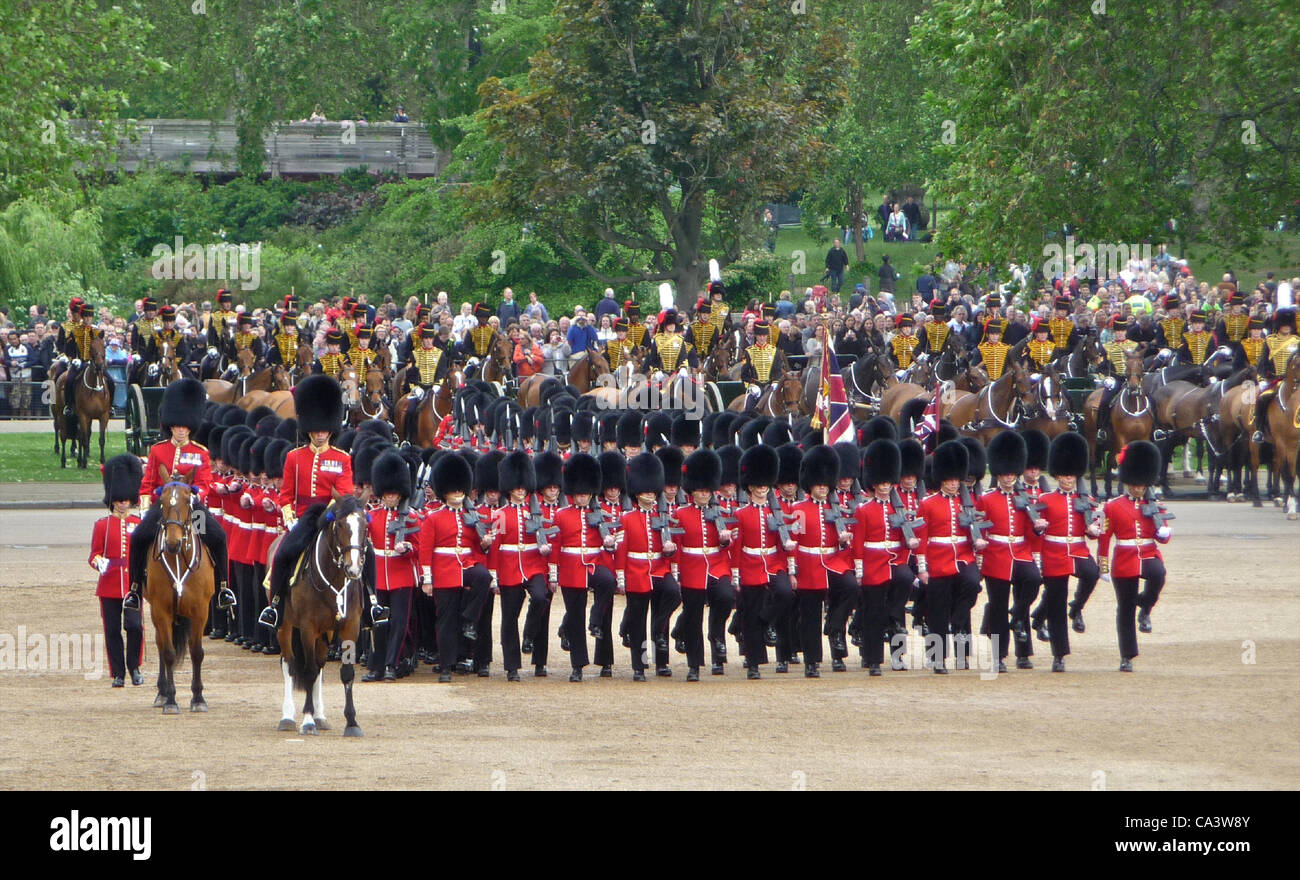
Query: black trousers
(897, 591)
(721, 596)
(603, 585)
(841, 598)
(425, 609)
(482, 644)
(691, 626)
(810, 604)
(240, 581)
(1055, 591)
(949, 600)
(765, 605)
(665, 598)
(457, 607)
(537, 621)
(512, 602)
(1026, 578)
(1129, 600)
(874, 615)
(635, 617)
(121, 659)
(211, 534)
(1008, 602)
(1086, 570)
(387, 640)
(575, 611)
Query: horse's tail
(298, 666)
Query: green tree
(645, 126)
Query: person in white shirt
(1286, 293)
(464, 322)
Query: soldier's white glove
(76, 363)
(135, 358)
(755, 391)
(212, 352)
(496, 588)
(1164, 533)
(899, 374)
(790, 566)
(102, 564)
(153, 370)
(1165, 354)
(246, 501)
(610, 542)
(1094, 530)
(735, 576)
(622, 583)
(669, 548)
(402, 547)
(268, 504)
(1109, 383)
(235, 485)
(857, 568)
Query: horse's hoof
(159, 701)
(1277, 502)
(1257, 503)
(323, 723)
(286, 724)
(352, 730)
(1293, 516)
(198, 706)
(308, 730)
(171, 709)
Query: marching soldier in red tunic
(313, 475)
(1071, 519)
(395, 534)
(580, 559)
(641, 562)
(881, 549)
(910, 492)
(823, 573)
(518, 558)
(611, 505)
(758, 560)
(1008, 562)
(946, 558)
(452, 561)
(548, 474)
(179, 414)
(704, 568)
(110, 544)
(1136, 523)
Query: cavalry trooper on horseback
(635, 325)
(1278, 348)
(244, 339)
(764, 364)
(409, 344)
(936, 332)
(1198, 343)
(1235, 323)
(345, 322)
(719, 313)
(992, 352)
(903, 345)
(1061, 326)
(1115, 368)
(140, 335)
(282, 308)
(332, 361)
(361, 355)
(618, 348)
(424, 377)
(669, 352)
(1041, 349)
(167, 334)
(75, 347)
(312, 474)
(477, 344)
(222, 321)
(1169, 333)
(179, 415)
(284, 344)
(1246, 352)
(702, 334)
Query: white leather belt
(632, 555)
(882, 545)
(1134, 542)
(391, 553)
(516, 548)
(819, 551)
(451, 551)
(1065, 539)
(701, 551)
(1006, 539)
(957, 539)
(758, 551)
(590, 551)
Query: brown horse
(370, 402)
(1236, 424)
(627, 382)
(1131, 418)
(496, 366)
(273, 377)
(1283, 416)
(281, 402)
(323, 604)
(586, 371)
(1051, 413)
(785, 399)
(93, 403)
(998, 406)
(917, 383)
(166, 371)
(717, 366)
(302, 363)
(430, 416)
(178, 585)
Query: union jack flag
(833, 403)
(928, 426)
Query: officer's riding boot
(270, 615)
(1261, 422)
(132, 600)
(378, 614)
(70, 393)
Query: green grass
(30, 458)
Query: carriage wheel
(714, 397)
(135, 421)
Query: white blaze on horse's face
(353, 556)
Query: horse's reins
(340, 595)
(178, 576)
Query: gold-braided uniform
(903, 346)
(481, 339)
(1173, 328)
(703, 334)
(636, 335)
(718, 317)
(1198, 344)
(758, 363)
(616, 351)
(332, 364)
(82, 337)
(1041, 351)
(425, 361)
(1061, 329)
(1235, 326)
(1000, 323)
(362, 358)
(1117, 352)
(1253, 347)
(994, 358)
(1279, 351)
(936, 333)
(287, 344)
(243, 341)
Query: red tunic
(237, 531)
(701, 554)
(1134, 534)
(911, 499)
(943, 542)
(576, 550)
(309, 477)
(191, 460)
(639, 556)
(756, 552)
(393, 570)
(877, 545)
(447, 548)
(1008, 539)
(819, 551)
(1065, 538)
(110, 539)
(514, 557)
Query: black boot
(225, 595)
(270, 615)
(132, 600)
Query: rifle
(1088, 506)
(1022, 500)
(1153, 508)
(536, 525)
(404, 525)
(776, 519)
(902, 518)
(597, 518)
(471, 517)
(720, 518)
(971, 518)
(663, 521)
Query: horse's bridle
(341, 594)
(188, 544)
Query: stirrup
(378, 613)
(132, 600)
(269, 617)
(226, 598)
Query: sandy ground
(1213, 703)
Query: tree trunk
(691, 267)
(856, 219)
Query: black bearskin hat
(657, 429)
(391, 473)
(760, 466)
(777, 434)
(1139, 464)
(879, 428)
(318, 401)
(913, 458)
(820, 467)
(613, 471)
(629, 430)
(485, 472)
(882, 463)
(363, 460)
(977, 461)
(645, 473)
(609, 427)
(256, 414)
(1036, 447)
(752, 432)
(287, 430)
(1007, 454)
(376, 426)
(122, 477)
(516, 472)
(850, 460)
(275, 454)
(706, 428)
(549, 469)
(702, 470)
(673, 461)
(686, 431)
(790, 457)
(950, 461)
(724, 427)
(452, 473)
(583, 427)
(581, 475)
(729, 455)
(1068, 455)
(182, 404)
